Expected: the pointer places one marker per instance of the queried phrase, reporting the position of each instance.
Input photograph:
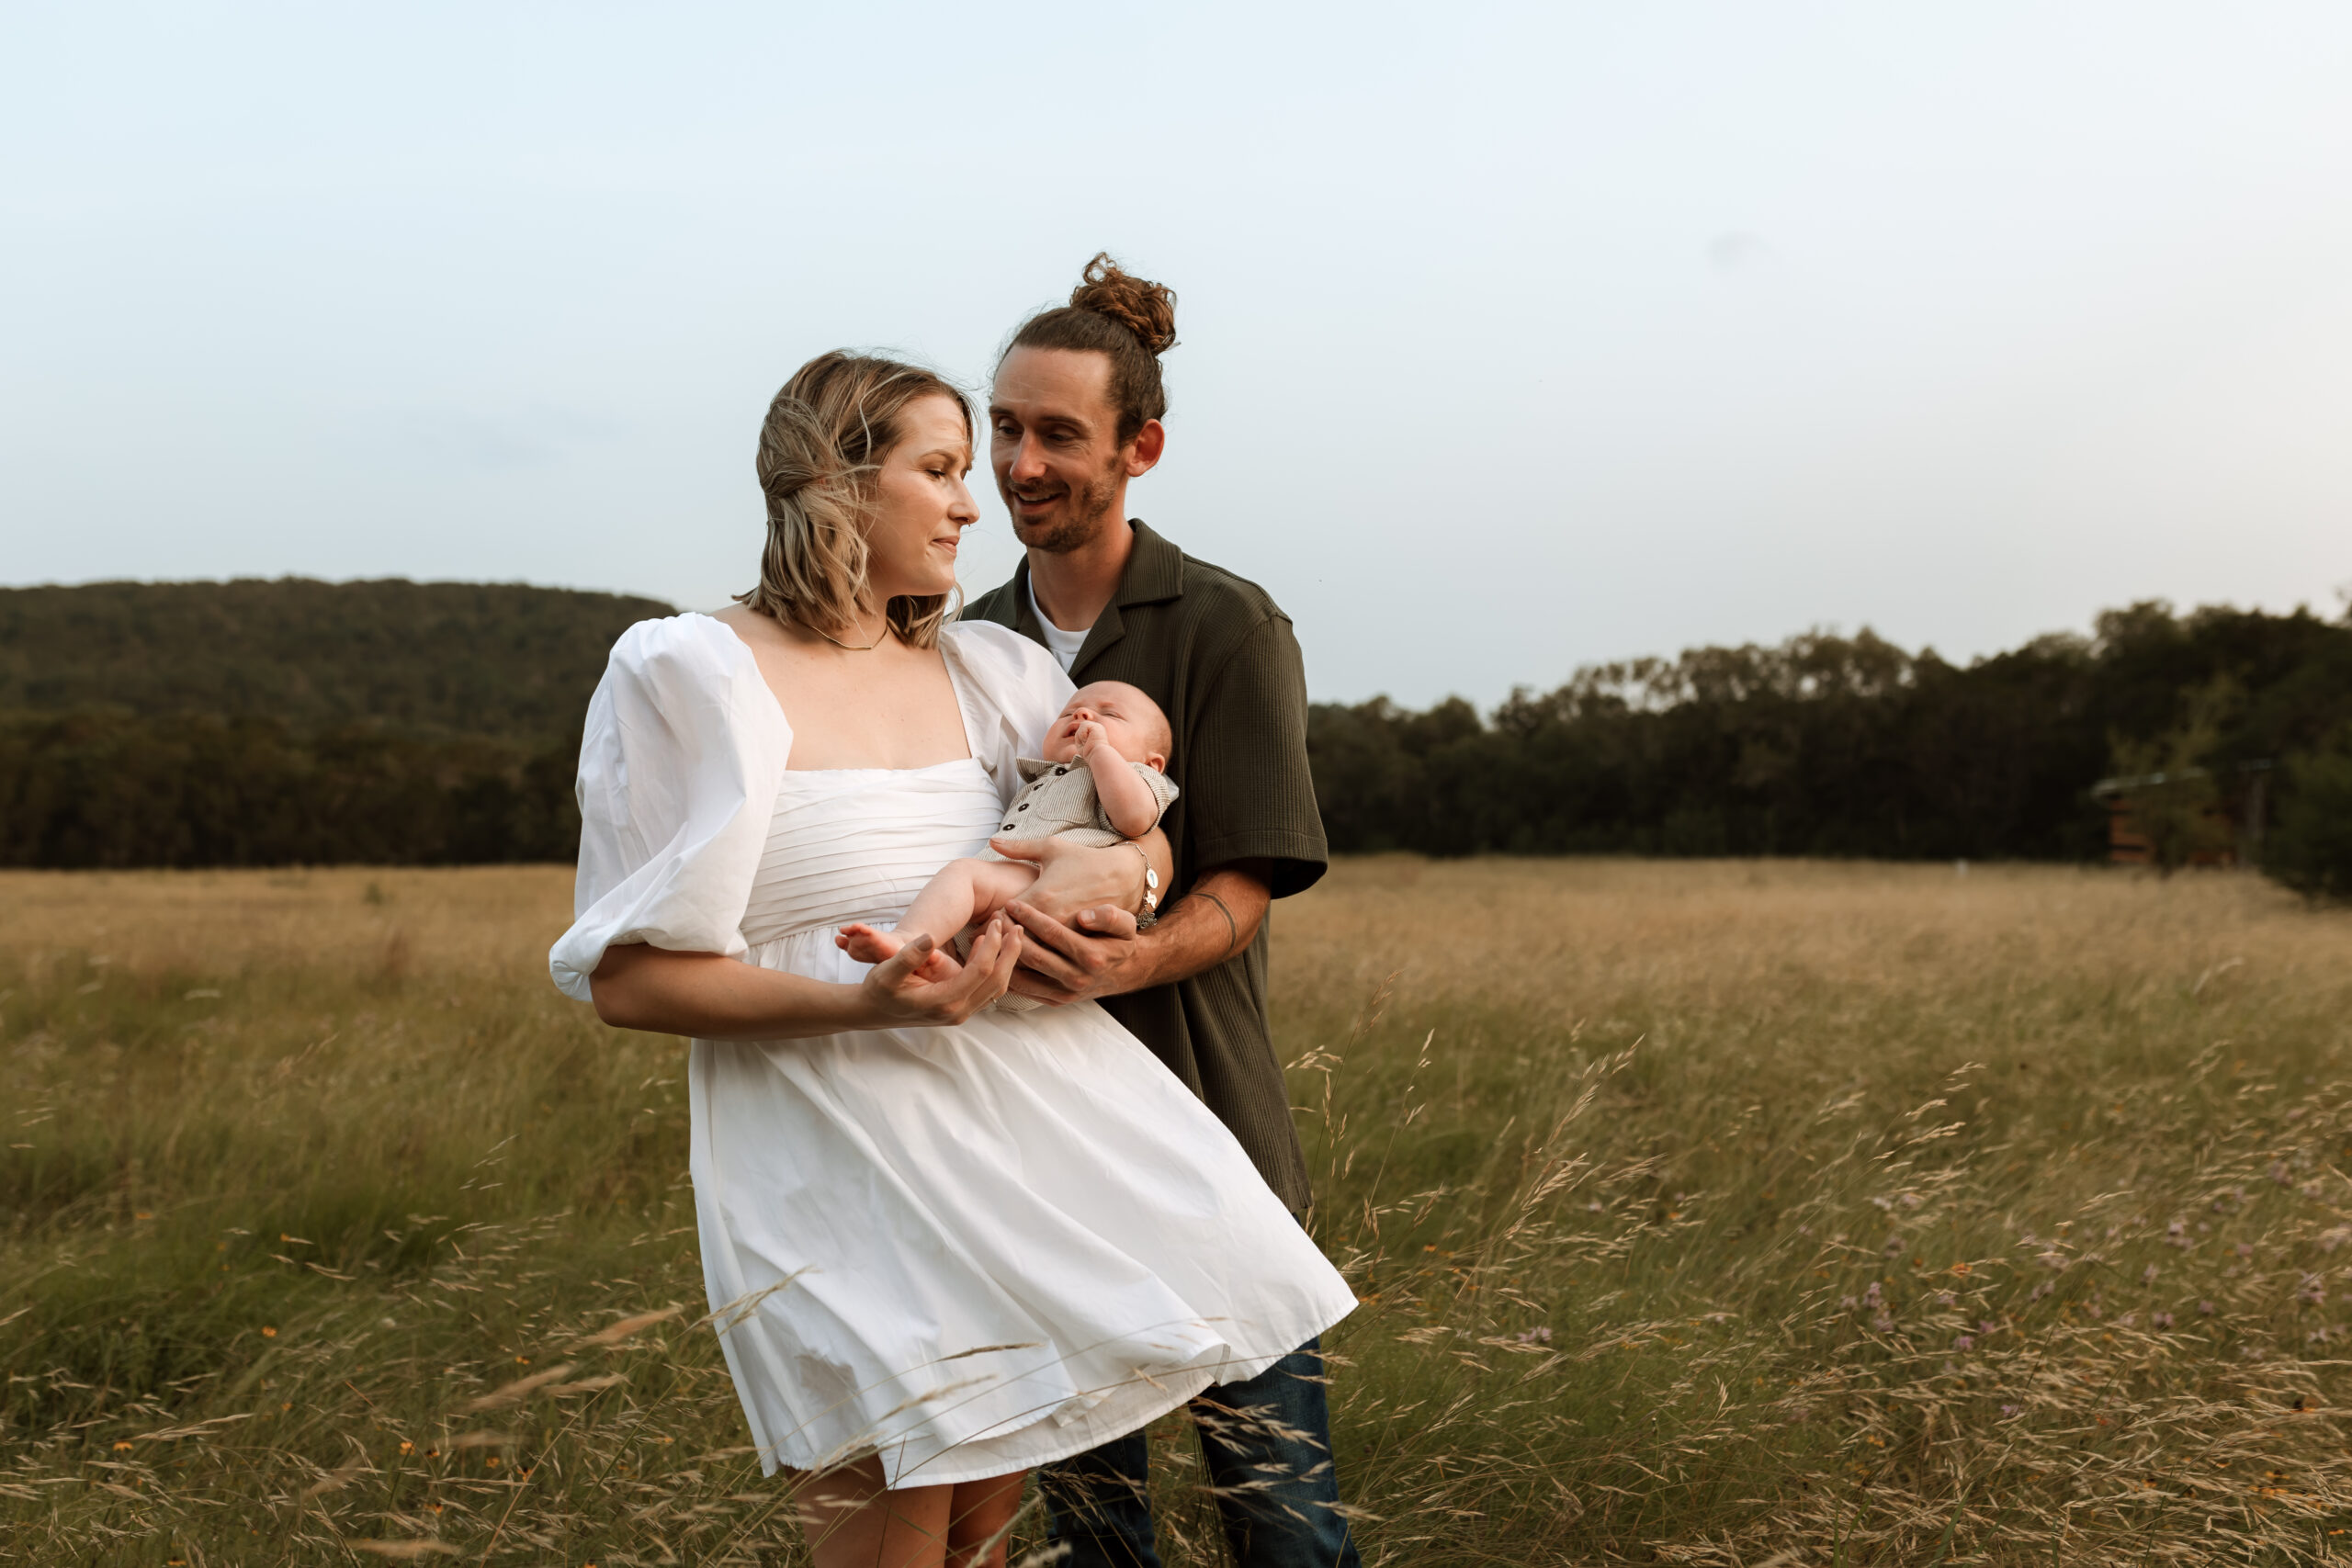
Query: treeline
(399, 723)
(1835, 746)
(99, 789)
(273, 723)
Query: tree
(2310, 849)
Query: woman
(943, 1244)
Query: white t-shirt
(1062, 645)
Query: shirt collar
(1155, 569)
(1154, 573)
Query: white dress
(969, 1250)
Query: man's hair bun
(1129, 321)
(1144, 308)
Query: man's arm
(1216, 919)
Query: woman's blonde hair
(823, 442)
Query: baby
(1100, 782)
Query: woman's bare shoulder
(749, 624)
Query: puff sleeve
(680, 762)
(1011, 691)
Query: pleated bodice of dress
(858, 844)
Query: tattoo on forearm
(1232, 929)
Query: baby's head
(1131, 722)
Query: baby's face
(1132, 724)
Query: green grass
(1681, 1198)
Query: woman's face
(920, 505)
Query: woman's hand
(707, 996)
(897, 995)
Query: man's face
(1053, 443)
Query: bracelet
(1232, 931)
(1151, 911)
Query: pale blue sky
(1514, 337)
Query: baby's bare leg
(964, 893)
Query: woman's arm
(710, 997)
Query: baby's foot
(868, 945)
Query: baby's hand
(1090, 738)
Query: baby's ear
(1155, 761)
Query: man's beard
(1080, 526)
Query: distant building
(2235, 816)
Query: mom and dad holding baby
(992, 1159)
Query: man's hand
(1100, 956)
(1216, 919)
(1082, 936)
(1071, 877)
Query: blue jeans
(1267, 1443)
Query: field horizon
(1703, 1212)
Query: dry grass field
(1718, 1213)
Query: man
(1074, 415)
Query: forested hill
(422, 660)
(292, 722)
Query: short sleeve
(680, 762)
(1162, 787)
(1249, 794)
(1011, 691)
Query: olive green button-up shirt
(1219, 657)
